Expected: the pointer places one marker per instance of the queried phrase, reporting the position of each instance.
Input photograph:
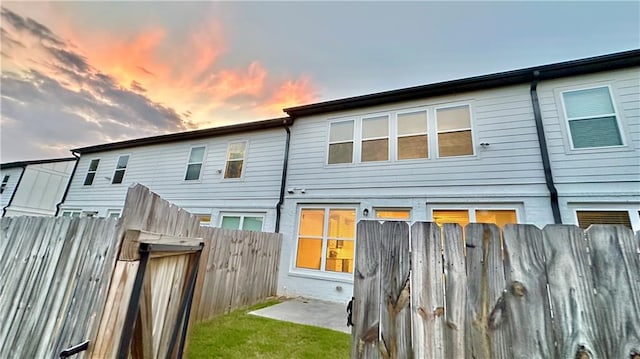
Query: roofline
(34, 162)
(190, 135)
(545, 72)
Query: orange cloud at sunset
(289, 94)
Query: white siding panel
(14, 176)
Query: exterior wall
(14, 176)
(595, 178)
(162, 168)
(41, 189)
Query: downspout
(66, 190)
(15, 189)
(283, 182)
(544, 152)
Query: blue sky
(83, 73)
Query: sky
(83, 73)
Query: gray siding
(14, 176)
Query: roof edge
(17, 164)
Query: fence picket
(456, 291)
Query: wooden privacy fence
(126, 286)
(560, 292)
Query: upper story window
(454, 131)
(412, 135)
(5, 180)
(91, 172)
(341, 142)
(235, 160)
(121, 167)
(375, 139)
(194, 165)
(592, 118)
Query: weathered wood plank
(486, 330)
(456, 291)
(365, 333)
(427, 295)
(616, 275)
(528, 310)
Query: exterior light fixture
(365, 212)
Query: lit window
(412, 135)
(592, 118)
(454, 131)
(194, 166)
(235, 160)
(5, 180)
(375, 139)
(330, 228)
(245, 222)
(393, 214)
(91, 172)
(121, 167)
(463, 217)
(205, 219)
(587, 218)
(341, 142)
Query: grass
(240, 335)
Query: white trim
(397, 136)
(186, 169)
(362, 140)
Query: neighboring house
(557, 143)
(230, 176)
(34, 188)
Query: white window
(326, 239)
(113, 213)
(454, 131)
(5, 180)
(341, 142)
(71, 213)
(375, 139)
(235, 160)
(91, 172)
(397, 214)
(194, 164)
(480, 214)
(121, 167)
(591, 118)
(412, 135)
(242, 221)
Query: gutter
(544, 152)
(4, 209)
(66, 190)
(283, 182)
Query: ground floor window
(205, 220)
(71, 213)
(397, 214)
(113, 213)
(243, 221)
(499, 217)
(587, 218)
(326, 239)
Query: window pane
(393, 214)
(311, 222)
(118, 176)
(236, 151)
(193, 172)
(412, 123)
(455, 144)
(587, 218)
(233, 170)
(460, 217)
(590, 102)
(122, 161)
(252, 224)
(595, 132)
(453, 118)
(341, 153)
(375, 127)
(89, 179)
(93, 166)
(205, 219)
(341, 131)
(497, 217)
(412, 147)
(340, 256)
(342, 223)
(197, 154)
(230, 222)
(375, 150)
(309, 253)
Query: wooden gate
(560, 292)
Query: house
(34, 188)
(558, 143)
(230, 176)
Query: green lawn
(240, 335)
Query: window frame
(397, 136)
(389, 209)
(362, 140)
(73, 213)
(244, 161)
(616, 114)
(353, 141)
(437, 131)
(5, 182)
(242, 216)
(471, 209)
(632, 212)
(186, 170)
(95, 173)
(120, 169)
(114, 213)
